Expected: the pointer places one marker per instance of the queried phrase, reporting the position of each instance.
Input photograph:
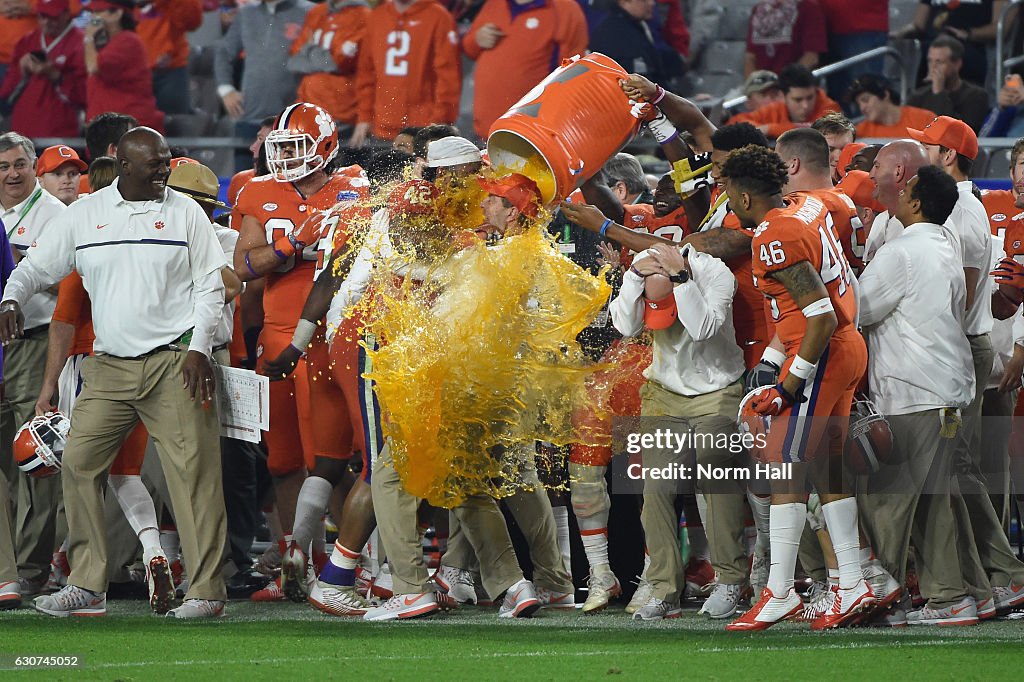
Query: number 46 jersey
(801, 231)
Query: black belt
(41, 330)
(222, 346)
(175, 345)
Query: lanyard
(24, 212)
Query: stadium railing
(1002, 62)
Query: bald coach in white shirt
(151, 263)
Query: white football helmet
(39, 444)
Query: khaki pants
(37, 498)
(997, 424)
(893, 509)
(117, 392)
(714, 413)
(8, 560)
(479, 518)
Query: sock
(133, 497)
(841, 519)
(787, 525)
(309, 510)
(150, 539)
(341, 568)
(562, 527)
(833, 576)
(171, 543)
(760, 508)
(595, 544)
(319, 544)
(866, 555)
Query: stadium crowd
(771, 268)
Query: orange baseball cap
(859, 186)
(520, 190)
(951, 133)
(660, 314)
(56, 156)
(846, 156)
(177, 161)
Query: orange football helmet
(754, 424)
(39, 444)
(304, 140)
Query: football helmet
(39, 444)
(304, 140)
(869, 441)
(756, 425)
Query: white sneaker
(963, 612)
(759, 568)
(819, 601)
(1008, 597)
(382, 585)
(656, 609)
(338, 600)
(846, 607)
(520, 601)
(10, 595)
(557, 601)
(768, 611)
(402, 606)
(986, 608)
(457, 583)
(72, 601)
(198, 608)
(643, 594)
(885, 588)
(293, 573)
(603, 586)
(160, 584)
(723, 601)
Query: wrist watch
(681, 277)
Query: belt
(222, 346)
(41, 330)
(977, 336)
(174, 345)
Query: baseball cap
(859, 186)
(452, 151)
(951, 133)
(197, 181)
(52, 8)
(759, 81)
(846, 156)
(660, 314)
(177, 161)
(520, 190)
(54, 157)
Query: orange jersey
(775, 116)
(74, 308)
(910, 117)
(13, 30)
(280, 209)
(641, 218)
(162, 27)
(848, 227)
(341, 34)
(409, 72)
(801, 231)
(536, 40)
(1001, 207)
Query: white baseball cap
(452, 151)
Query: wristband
(662, 129)
(249, 265)
(659, 95)
(636, 272)
(304, 332)
(802, 368)
(604, 227)
(773, 356)
(284, 248)
(819, 307)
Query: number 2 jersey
(281, 210)
(802, 230)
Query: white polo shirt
(969, 224)
(152, 269)
(698, 353)
(912, 311)
(228, 239)
(24, 223)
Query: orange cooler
(564, 130)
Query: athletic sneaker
(986, 608)
(886, 589)
(819, 601)
(1008, 597)
(337, 600)
(700, 579)
(656, 609)
(760, 564)
(159, 582)
(59, 572)
(72, 601)
(963, 612)
(269, 563)
(768, 611)
(894, 617)
(603, 587)
(643, 594)
(10, 595)
(293, 573)
(847, 605)
(723, 601)
(457, 583)
(520, 601)
(383, 586)
(556, 601)
(198, 608)
(402, 606)
(271, 592)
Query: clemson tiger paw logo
(159, 225)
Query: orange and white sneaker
(768, 611)
(557, 601)
(820, 602)
(846, 606)
(59, 572)
(272, 592)
(72, 601)
(10, 595)
(293, 573)
(338, 600)
(520, 601)
(963, 612)
(1008, 597)
(198, 608)
(160, 584)
(403, 606)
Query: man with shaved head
(150, 260)
(895, 164)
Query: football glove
(692, 175)
(764, 373)
(772, 401)
(1010, 273)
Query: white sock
(595, 544)
(759, 506)
(833, 576)
(562, 527)
(787, 525)
(866, 555)
(133, 497)
(171, 543)
(309, 510)
(841, 519)
(150, 539)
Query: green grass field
(293, 641)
